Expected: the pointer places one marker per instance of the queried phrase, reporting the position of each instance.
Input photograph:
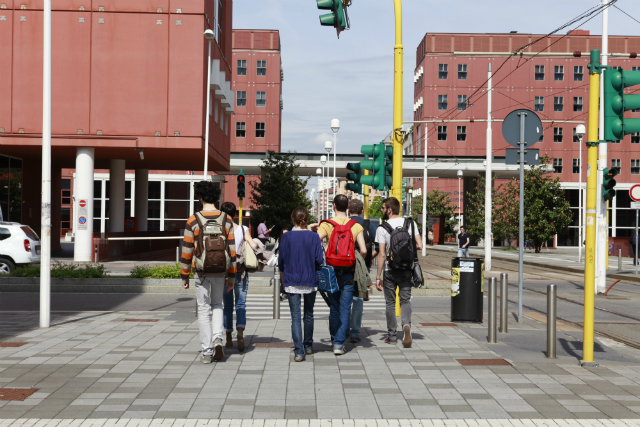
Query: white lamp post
(323, 160)
(459, 198)
(320, 208)
(208, 34)
(335, 127)
(328, 146)
(580, 131)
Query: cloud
(322, 138)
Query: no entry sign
(634, 193)
(82, 203)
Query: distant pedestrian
(241, 286)
(263, 232)
(398, 239)
(430, 237)
(463, 243)
(341, 255)
(633, 241)
(356, 208)
(209, 248)
(300, 254)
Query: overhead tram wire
(626, 14)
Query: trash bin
(467, 287)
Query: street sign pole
(634, 195)
(523, 145)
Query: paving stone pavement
(96, 365)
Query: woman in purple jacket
(300, 254)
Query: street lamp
(459, 210)
(328, 146)
(320, 208)
(323, 160)
(335, 127)
(208, 34)
(580, 131)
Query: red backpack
(341, 251)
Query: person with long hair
(300, 254)
(241, 286)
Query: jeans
(296, 321)
(392, 280)
(463, 252)
(209, 291)
(240, 293)
(341, 309)
(356, 317)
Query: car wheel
(6, 266)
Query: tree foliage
(279, 191)
(506, 212)
(375, 207)
(438, 203)
(474, 211)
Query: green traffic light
(336, 18)
(608, 183)
(616, 102)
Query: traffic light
(355, 177)
(376, 166)
(334, 19)
(608, 183)
(616, 102)
(241, 182)
(388, 166)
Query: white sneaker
(207, 357)
(218, 350)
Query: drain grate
(439, 324)
(483, 362)
(274, 345)
(12, 344)
(18, 394)
(140, 320)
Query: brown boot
(229, 340)
(241, 346)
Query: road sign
(531, 157)
(82, 223)
(82, 203)
(634, 193)
(635, 205)
(532, 128)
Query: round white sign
(634, 193)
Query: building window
(462, 133)
(557, 165)
(558, 103)
(635, 166)
(539, 75)
(539, 103)
(577, 104)
(541, 139)
(442, 102)
(261, 99)
(261, 68)
(462, 102)
(576, 166)
(215, 110)
(557, 134)
(617, 68)
(462, 71)
(575, 136)
(443, 71)
(558, 72)
(241, 128)
(635, 68)
(242, 98)
(259, 129)
(242, 67)
(615, 163)
(578, 73)
(635, 138)
(442, 133)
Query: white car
(19, 246)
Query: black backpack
(368, 240)
(402, 251)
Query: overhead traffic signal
(608, 183)
(336, 18)
(376, 166)
(356, 187)
(241, 184)
(616, 102)
(388, 166)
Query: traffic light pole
(240, 218)
(366, 197)
(595, 68)
(396, 189)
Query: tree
(474, 211)
(506, 212)
(375, 207)
(279, 192)
(438, 203)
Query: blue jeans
(463, 253)
(240, 292)
(356, 317)
(341, 309)
(296, 321)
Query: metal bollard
(96, 254)
(619, 259)
(177, 253)
(276, 294)
(504, 303)
(551, 321)
(493, 302)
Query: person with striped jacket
(210, 287)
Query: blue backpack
(327, 281)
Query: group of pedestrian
(210, 249)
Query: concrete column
(83, 228)
(142, 198)
(116, 196)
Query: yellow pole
(240, 220)
(592, 182)
(366, 198)
(607, 228)
(396, 188)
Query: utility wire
(626, 14)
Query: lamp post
(320, 207)
(335, 127)
(328, 146)
(580, 131)
(208, 34)
(459, 209)
(323, 160)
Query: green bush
(164, 271)
(63, 271)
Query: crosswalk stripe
(260, 307)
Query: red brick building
(450, 84)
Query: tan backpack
(212, 250)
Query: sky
(351, 78)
